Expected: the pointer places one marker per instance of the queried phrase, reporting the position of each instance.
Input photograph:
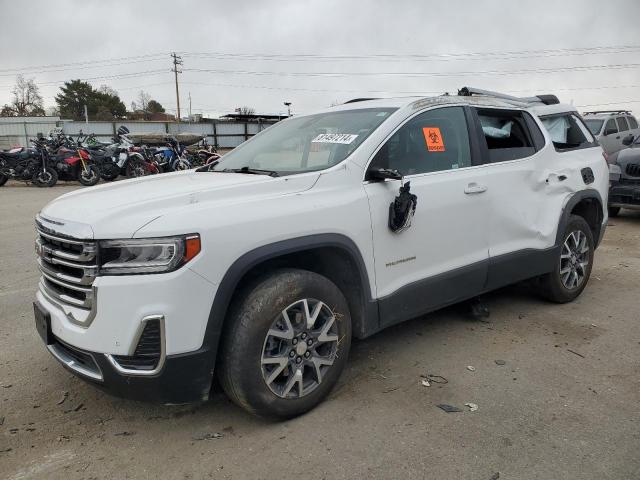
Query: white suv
(262, 267)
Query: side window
(430, 142)
(506, 134)
(632, 123)
(622, 124)
(567, 132)
(610, 127)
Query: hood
(117, 210)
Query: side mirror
(381, 174)
(610, 131)
(628, 140)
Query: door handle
(474, 188)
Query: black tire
(90, 176)
(136, 168)
(252, 316)
(614, 211)
(47, 178)
(3, 179)
(551, 285)
(109, 172)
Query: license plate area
(43, 324)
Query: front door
(442, 257)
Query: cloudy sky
(315, 53)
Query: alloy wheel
(574, 260)
(299, 347)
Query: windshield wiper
(252, 171)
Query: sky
(314, 54)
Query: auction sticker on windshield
(344, 138)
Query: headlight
(147, 255)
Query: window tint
(610, 127)
(430, 142)
(622, 124)
(632, 123)
(506, 134)
(567, 132)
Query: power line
(560, 51)
(83, 67)
(506, 55)
(73, 64)
(105, 77)
(420, 74)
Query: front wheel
(614, 211)
(45, 178)
(136, 168)
(573, 265)
(89, 176)
(286, 343)
(109, 172)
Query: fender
(254, 257)
(568, 207)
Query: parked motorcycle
(29, 165)
(75, 164)
(132, 160)
(172, 158)
(202, 153)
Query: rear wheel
(3, 179)
(614, 211)
(573, 265)
(286, 344)
(136, 168)
(89, 176)
(109, 172)
(45, 178)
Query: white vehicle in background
(338, 224)
(612, 127)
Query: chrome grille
(68, 267)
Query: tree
(246, 110)
(74, 95)
(26, 102)
(143, 100)
(107, 89)
(154, 107)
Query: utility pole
(288, 105)
(177, 60)
(189, 106)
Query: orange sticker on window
(433, 137)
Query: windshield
(305, 144)
(594, 125)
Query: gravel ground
(564, 405)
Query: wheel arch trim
(236, 272)
(574, 200)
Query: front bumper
(624, 194)
(183, 378)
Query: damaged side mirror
(381, 174)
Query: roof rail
(545, 99)
(354, 100)
(610, 112)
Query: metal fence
(221, 133)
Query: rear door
(524, 193)
(610, 139)
(442, 257)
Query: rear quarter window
(567, 132)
